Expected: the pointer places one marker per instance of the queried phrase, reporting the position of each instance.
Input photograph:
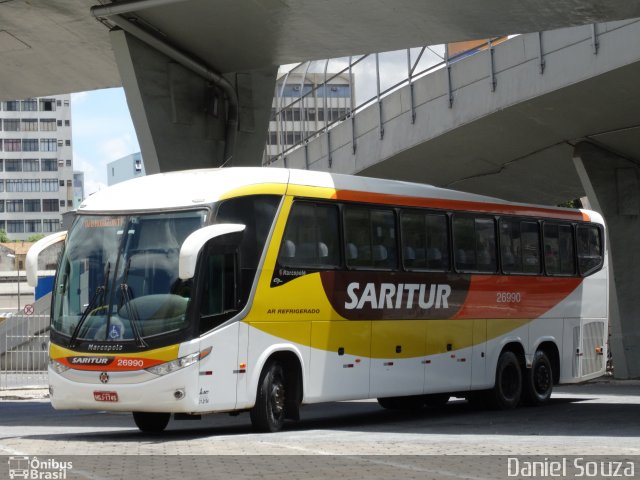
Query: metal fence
(24, 348)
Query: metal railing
(24, 346)
(314, 111)
(24, 351)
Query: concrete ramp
(502, 122)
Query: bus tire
(538, 383)
(436, 400)
(151, 422)
(413, 402)
(268, 413)
(508, 388)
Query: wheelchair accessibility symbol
(115, 332)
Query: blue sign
(44, 287)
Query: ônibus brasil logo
(40, 469)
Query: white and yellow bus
(260, 290)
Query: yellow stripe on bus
(311, 192)
(257, 189)
(299, 312)
(380, 338)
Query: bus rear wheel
(151, 422)
(538, 383)
(268, 414)
(508, 388)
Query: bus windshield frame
(117, 281)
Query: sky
(102, 132)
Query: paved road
(596, 419)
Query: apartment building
(36, 165)
(125, 168)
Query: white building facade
(125, 168)
(303, 106)
(78, 189)
(36, 165)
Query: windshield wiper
(132, 312)
(94, 300)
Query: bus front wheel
(151, 422)
(268, 414)
(538, 380)
(508, 388)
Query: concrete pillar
(612, 185)
(180, 118)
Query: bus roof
(193, 188)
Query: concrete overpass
(199, 78)
(494, 128)
(210, 58)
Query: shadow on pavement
(561, 417)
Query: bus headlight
(174, 365)
(57, 366)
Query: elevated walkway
(506, 117)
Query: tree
(3, 236)
(35, 238)
(571, 204)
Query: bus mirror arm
(35, 251)
(193, 244)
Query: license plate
(105, 396)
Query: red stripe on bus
(116, 364)
(518, 297)
(464, 205)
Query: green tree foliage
(3, 236)
(571, 204)
(35, 238)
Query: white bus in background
(260, 290)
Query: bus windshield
(118, 277)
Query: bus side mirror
(193, 244)
(35, 251)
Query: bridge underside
(524, 152)
(177, 122)
(62, 36)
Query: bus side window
(589, 249)
(370, 239)
(530, 235)
(474, 244)
(311, 238)
(519, 246)
(425, 241)
(558, 249)
(256, 213)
